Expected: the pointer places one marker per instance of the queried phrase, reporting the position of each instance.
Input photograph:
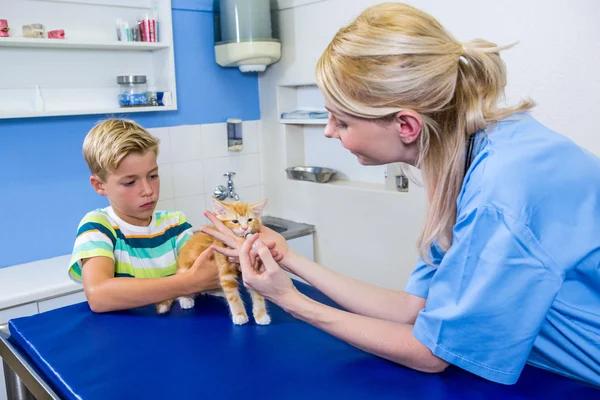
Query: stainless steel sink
(288, 229)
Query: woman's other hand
(270, 280)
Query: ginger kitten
(242, 219)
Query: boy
(128, 239)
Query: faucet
(221, 192)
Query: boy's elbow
(97, 307)
(95, 301)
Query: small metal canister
(402, 183)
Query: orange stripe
(93, 230)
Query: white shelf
(307, 121)
(120, 110)
(351, 185)
(119, 3)
(79, 74)
(81, 45)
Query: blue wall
(44, 187)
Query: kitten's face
(240, 217)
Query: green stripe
(75, 272)
(174, 217)
(162, 216)
(99, 218)
(128, 269)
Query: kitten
(242, 219)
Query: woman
(510, 249)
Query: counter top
(35, 281)
(288, 229)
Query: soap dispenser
(234, 134)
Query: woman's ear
(409, 126)
(98, 185)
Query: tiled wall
(193, 159)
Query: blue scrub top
(521, 281)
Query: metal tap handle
(220, 192)
(229, 174)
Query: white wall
(371, 234)
(192, 160)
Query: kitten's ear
(219, 208)
(258, 208)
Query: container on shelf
(132, 90)
(152, 97)
(34, 31)
(4, 29)
(56, 34)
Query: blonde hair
(110, 141)
(394, 57)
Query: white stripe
(92, 236)
(161, 262)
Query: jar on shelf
(132, 90)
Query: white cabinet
(61, 301)
(18, 311)
(5, 316)
(78, 75)
(31, 309)
(3, 395)
(303, 245)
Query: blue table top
(199, 353)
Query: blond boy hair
(107, 143)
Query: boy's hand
(203, 274)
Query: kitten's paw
(240, 319)
(186, 302)
(162, 308)
(263, 319)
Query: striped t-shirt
(138, 251)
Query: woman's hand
(270, 280)
(203, 274)
(281, 248)
(233, 241)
